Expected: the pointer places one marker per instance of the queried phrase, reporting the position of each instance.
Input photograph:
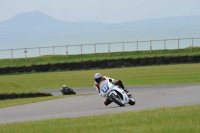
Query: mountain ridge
(39, 23)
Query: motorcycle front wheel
(117, 99)
(132, 101)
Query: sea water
(98, 41)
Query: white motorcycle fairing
(114, 93)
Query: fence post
(81, 49)
(109, 46)
(53, 50)
(95, 48)
(192, 41)
(150, 46)
(66, 54)
(12, 53)
(39, 52)
(25, 51)
(123, 46)
(137, 45)
(66, 47)
(178, 44)
(165, 44)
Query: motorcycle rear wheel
(117, 99)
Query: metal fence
(150, 45)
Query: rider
(98, 78)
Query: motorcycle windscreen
(104, 87)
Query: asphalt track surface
(147, 97)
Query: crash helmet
(64, 86)
(97, 77)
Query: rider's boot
(119, 82)
(107, 102)
(130, 96)
(126, 90)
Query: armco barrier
(12, 69)
(111, 63)
(143, 61)
(4, 70)
(160, 60)
(62, 66)
(103, 64)
(86, 64)
(54, 67)
(20, 69)
(78, 65)
(127, 62)
(151, 60)
(190, 59)
(119, 62)
(37, 68)
(70, 66)
(167, 60)
(29, 68)
(95, 64)
(135, 62)
(175, 59)
(4, 96)
(44, 67)
(183, 59)
(106, 63)
(197, 58)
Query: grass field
(185, 119)
(148, 75)
(99, 56)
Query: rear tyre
(117, 99)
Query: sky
(107, 11)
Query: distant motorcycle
(115, 94)
(67, 90)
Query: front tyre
(117, 99)
(131, 101)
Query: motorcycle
(115, 93)
(67, 91)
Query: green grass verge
(148, 75)
(100, 56)
(14, 102)
(185, 119)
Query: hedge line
(4, 96)
(107, 63)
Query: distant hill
(39, 23)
